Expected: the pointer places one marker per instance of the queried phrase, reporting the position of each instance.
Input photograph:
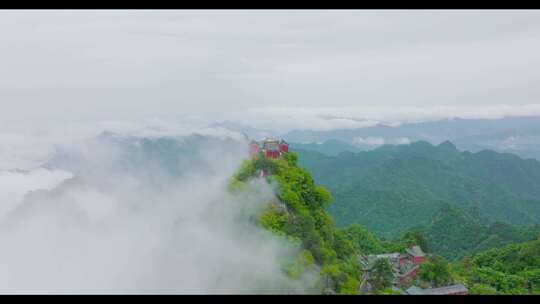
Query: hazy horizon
(88, 66)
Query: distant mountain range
(518, 135)
(395, 187)
(330, 147)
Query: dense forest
(454, 232)
(511, 269)
(393, 188)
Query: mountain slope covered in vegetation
(393, 188)
(300, 216)
(511, 269)
(454, 233)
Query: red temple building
(405, 266)
(271, 148)
(416, 254)
(283, 146)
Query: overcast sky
(114, 65)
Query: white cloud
(402, 141)
(28, 147)
(100, 65)
(379, 141)
(370, 141)
(15, 184)
(283, 119)
(140, 230)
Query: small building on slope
(417, 256)
(271, 148)
(404, 266)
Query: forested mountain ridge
(393, 188)
(300, 217)
(454, 233)
(518, 135)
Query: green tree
(533, 279)
(482, 289)
(381, 274)
(435, 271)
(362, 239)
(411, 238)
(350, 286)
(390, 291)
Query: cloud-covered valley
(121, 213)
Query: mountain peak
(447, 145)
(421, 143)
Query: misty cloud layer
(15, 185)
(331, 118)
(379, 141)
(60, 66)
(110, 215)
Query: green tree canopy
(381, 275)
(436, 271)
(415, 237)
(362, 239)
